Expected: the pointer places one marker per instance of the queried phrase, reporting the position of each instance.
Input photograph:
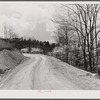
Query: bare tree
(9, 32)
(82, 18)
(5, 31)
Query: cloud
(30, 12)
(25, 18)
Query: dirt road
(42, 72)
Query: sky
(28, 19)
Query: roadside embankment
(9, 59)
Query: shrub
(98, 70)
(2, 71)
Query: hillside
(9, 59)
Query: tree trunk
(85, 61)
(67, 55)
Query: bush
(2, 71)
(4, 44)
(99, 71)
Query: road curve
(39, 73)
(34, 73)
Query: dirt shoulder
(81, 78)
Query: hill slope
(9, 59)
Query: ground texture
(41, 72)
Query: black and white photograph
(48, 46)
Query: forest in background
(12, 40)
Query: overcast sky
(28, 19)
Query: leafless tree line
(80, 21)
(9, 32)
